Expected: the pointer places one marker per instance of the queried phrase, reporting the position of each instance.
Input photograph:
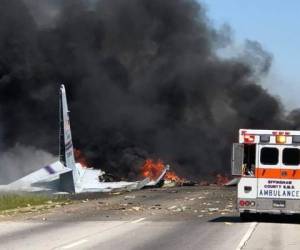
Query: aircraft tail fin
(66, 150)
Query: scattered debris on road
(177, 203)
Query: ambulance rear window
(269, 156)
(291, 156)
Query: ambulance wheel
(246, 216)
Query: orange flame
(80, 157)
(171, 176)
(153, 169)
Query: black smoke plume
(143, 80)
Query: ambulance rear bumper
(270, 205)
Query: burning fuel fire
(153, 169)
(80, 158)
(171, 176)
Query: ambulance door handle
(247, 189)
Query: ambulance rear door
(278, 172)
(268, 170)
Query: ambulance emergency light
(249, 138)
(281, 139)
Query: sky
(275, 24)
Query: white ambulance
(268, 165)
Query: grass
(12, 201)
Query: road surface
(177, 218)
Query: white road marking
(77, 243)
(139, 220)
(247, 236)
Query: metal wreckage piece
(66, 175)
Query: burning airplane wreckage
(66, 175)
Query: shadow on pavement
(267, 218)
(231, 219)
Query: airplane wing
(44, 179)
(88, 181)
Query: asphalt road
(177, 218)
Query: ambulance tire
(246, 216)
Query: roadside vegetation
(13, 201)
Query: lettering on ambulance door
(237, 159)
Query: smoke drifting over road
(20, 161)
(143, 80)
